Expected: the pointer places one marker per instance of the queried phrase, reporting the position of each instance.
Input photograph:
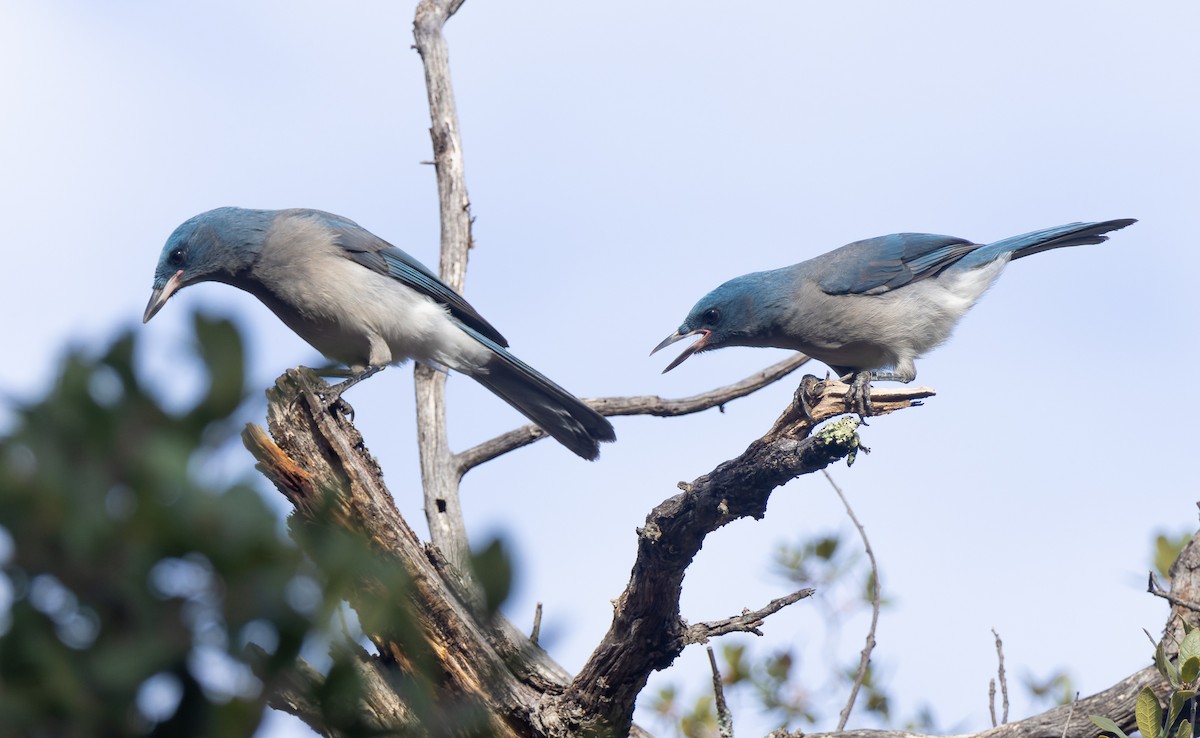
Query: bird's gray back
(879, 327)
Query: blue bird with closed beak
(868, 309)
(364, 303)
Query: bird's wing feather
(364, 247)
(885, 263)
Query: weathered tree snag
(439, 474)
(648, 632)
(316, 458)
(318, 461)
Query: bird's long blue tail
(562, 415)
(1027, 244)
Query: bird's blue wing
(885, 263)
(378, 255)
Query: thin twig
(992, 700)
(1003, 679)
(724, 717)
(1157, 590)
(1067, 724)
(747, 622)
(537, 624)
(865, 659)
(634, 405)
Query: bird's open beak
(159, 297)
(677, 336)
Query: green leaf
(1107, 725)
(1165, 666)
(1179, 698)
(1190, 647)
(1185, 730)
(494, 572)
(826, 547)
(1166, 549)
(1149, 714)
(1189, 670)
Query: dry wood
(318, 460)
(647, 631)
(748, 621)
(635, 405)
(439, 475)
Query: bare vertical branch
(724, 717)
(439, 475)
(865, 658)
(1003, 678)
(537, 625)
(992, 700)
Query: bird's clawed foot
(334, 396)
(807, 395)
(858, 397)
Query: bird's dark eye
(711, 316)
(175, 258)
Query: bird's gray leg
(379, 356)
(334, 395)
(858, 399)
(334, 370)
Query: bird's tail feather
(1027, 244)
(562, 415)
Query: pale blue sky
(622, 159)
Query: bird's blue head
(214, 246)
(730, 315)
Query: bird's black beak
(678, 336)
(159, 297)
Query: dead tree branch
(746, 622)
(1003, 681)
(647, 632)
(318, 461)
(724, 716)
(439, 477)
(1157, 590)
(636, 405)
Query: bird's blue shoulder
(886, 262)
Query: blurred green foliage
(773, 680)
(134, 583)
(1167, 548)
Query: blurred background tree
(137, 595)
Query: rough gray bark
(439, 473)
(319, 462)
